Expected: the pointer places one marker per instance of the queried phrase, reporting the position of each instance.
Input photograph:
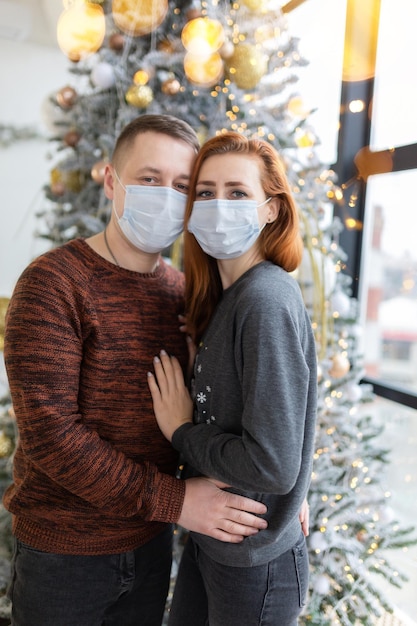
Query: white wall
(28, 74)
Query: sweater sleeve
(274, 355)
(43, 356)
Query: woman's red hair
(279, 242)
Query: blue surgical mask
(225, 229)
(153, 217)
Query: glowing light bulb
(202, 36)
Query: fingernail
(163, 353)
(156, 359)
(149, 374)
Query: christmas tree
(233, 66)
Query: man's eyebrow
(149, 169)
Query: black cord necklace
(109, 249)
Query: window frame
(354, 134)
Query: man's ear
(109, 181)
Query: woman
(254, 385)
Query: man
(94, 493)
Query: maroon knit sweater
(92, 472)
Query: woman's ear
(273, 210)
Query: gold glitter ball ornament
(246, 66)
(66, 180)
(139, 96)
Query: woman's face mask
(225, 229)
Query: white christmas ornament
(55, 119)
(353, 392)
(102, 75)
(340, 303)
(322, 585)
(386, 514)
(317, 541)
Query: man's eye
(183, 188)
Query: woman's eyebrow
(230, 183)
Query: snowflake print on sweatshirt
(201, 397)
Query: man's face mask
(153, 217)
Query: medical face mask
(153, 217)
(225, 229)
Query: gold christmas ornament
(139, 17)
(193, 13)
(203, 71)
(116, 42)
(6, 445)
(4, 303)
(305, 139)
(171, 86)
(55, 118)
(297, 107)
(81, 29)
(71, 138)
(66, 180)
(340, 366)
(141, 77)
(166, 45)
(202, 36)
(97, 171)
(66, 97)
(57, 189)
(254, 5)
(139, 96)
(246, 66)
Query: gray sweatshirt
(255, 394)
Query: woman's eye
(204, 194)
(239, 194)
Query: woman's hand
(304, 517)
(172, 402)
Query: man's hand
(192, 348)
(220, 514)
(172, 402)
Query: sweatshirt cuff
(168, 500)
(179, 436)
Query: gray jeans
(112, 590)
(210, 594)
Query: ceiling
(33, 21)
